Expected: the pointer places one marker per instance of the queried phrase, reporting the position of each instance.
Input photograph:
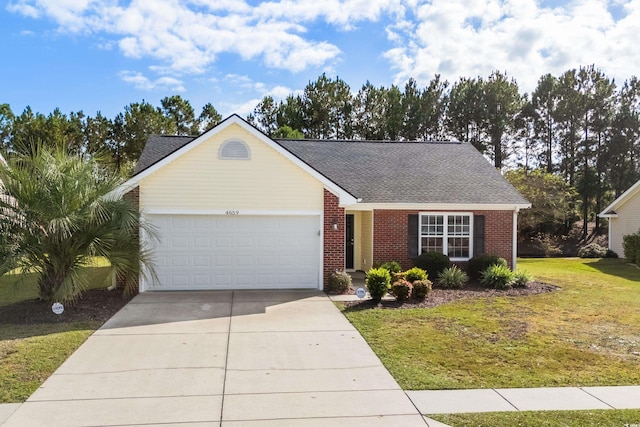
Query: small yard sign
(360, 293)
(57, 308)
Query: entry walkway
(242, 358)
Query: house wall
(199, 180)
(333, 239)
(390, 235)
(366, 242)
(627, 222)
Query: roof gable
(163, 150)
(624, 198)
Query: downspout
(515, 238)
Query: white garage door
(236, 252)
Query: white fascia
(439, 206)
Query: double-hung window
(447, 233)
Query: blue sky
(100, 55)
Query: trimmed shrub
(401, 290)
(592, 250)
(631, 246)
(432, 262)
(521, 278)
(497, 276)
(611, 254)
(414, 274)
(478, 264)
(391, 266)
(338, 283)
(452, 277)
(377, 282)
(421, 289)
(397, 276)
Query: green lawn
(606, 418)
(588, 333)
(29, 354)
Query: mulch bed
(442, 296)
(95, 305)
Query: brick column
(333, 244)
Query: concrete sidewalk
(525, 399)
(281, 358)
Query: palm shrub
(58, 212)
(377, 282)
(497, 276)
(415, 273)
(432, 262)
(421, 289)
(452, 277)
(479, 263)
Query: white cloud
(457, 38)
(188, 36)
(139, 81)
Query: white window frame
(445, 235)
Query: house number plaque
(233, 212)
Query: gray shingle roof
(158, 147)
(386, 172)
(407, 172)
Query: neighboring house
(234, 209)
(624, 217)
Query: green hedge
(631, 247)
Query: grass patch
(30, 353)
(25, 363)
(599, 418)
(588, 333)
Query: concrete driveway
(242, 358)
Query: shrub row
(631, 247)
(403, 285)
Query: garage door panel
(236, 252)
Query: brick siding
(333, 239)
(390, 235)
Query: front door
(348, 244)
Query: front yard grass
(585, 334)
(30, 353)
(618, 418)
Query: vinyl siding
(627, 222)
(199, 180)
(366, 242)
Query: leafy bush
(631, 246)
(377, 282)
(480, 263)
(414, 274)
(521, 278)
(401, 289)
(391, 266)
(400, 275)
(432, 262)
(338, 282)
(497, 276)
(452, 277)
(592, 250)
(638, 258)
(611, 254)
(421, 289)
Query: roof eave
(441, 206)
(620, 200)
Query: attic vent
(234, 149)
